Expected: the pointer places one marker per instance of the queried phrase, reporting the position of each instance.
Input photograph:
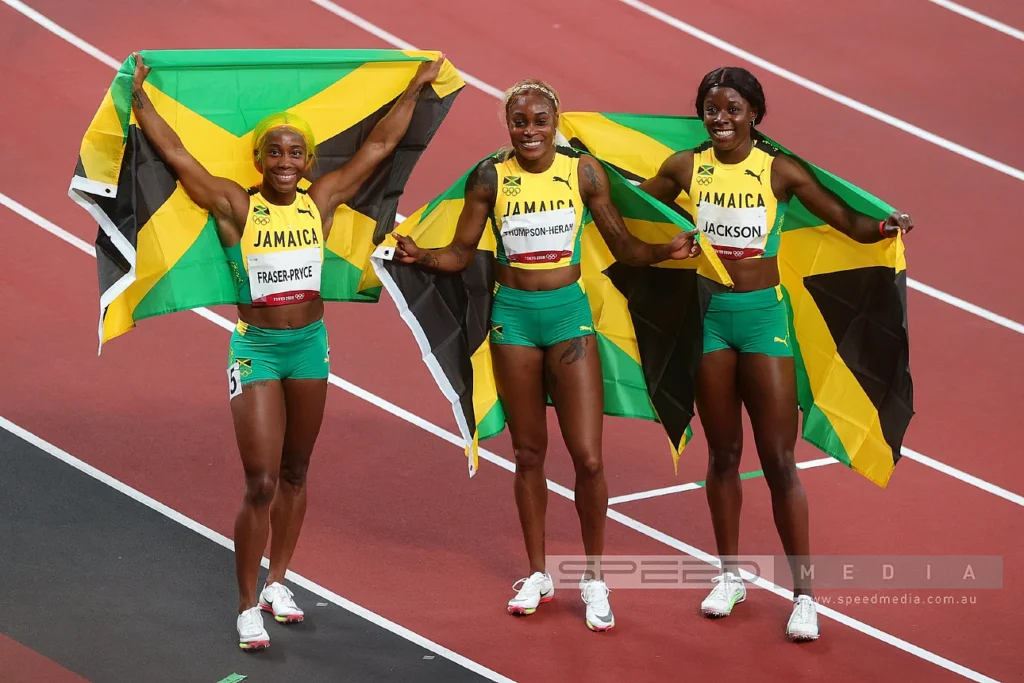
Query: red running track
(158, 388)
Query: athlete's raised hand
(141, 71)
(897, 222)
(427, 72)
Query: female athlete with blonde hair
(274, 236)
(542, 331)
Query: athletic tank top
(280, 256)
(733, 204)
(538, 217)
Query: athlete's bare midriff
(536, 280)
(285, 317)
(750, 275)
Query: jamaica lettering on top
(517, 207)
(286, 239)
(731, 200)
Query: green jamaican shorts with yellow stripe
(749, 322)
(540, 319)
(257, 353)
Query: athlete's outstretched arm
(623, 244)
(671, 179)
(224, 198)
(794, 179)
(339, 186)
(481, 192)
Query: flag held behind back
(847, 301)
(157, 252)
(647, 320)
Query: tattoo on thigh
(258, 383)
(577, 350)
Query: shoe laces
(251, 620)
(530, 583)
(279, 590)
(726, 583)
(804, 608)
(595, 592)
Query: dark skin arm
(480, 194)
(224, 198)
(339, 186)
(672, 178)
(791, 178)
(625, 247)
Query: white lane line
(226, 542)
(980, 18)
(668, 490)
(819, 89)
(967, 306)
(962, 476)
(62, 32)
(494, 92)
(558, 488)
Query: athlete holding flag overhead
(274, 235)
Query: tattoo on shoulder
(137, 98)
(484, 178)
(591, 177)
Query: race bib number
(284, 277)
(544, 237)
(234, 381)
(734, 233)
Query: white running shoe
(599, 612)
(536, 588)
(803, 622)
(279, 601)
(251, 634)
(723, 597)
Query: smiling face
(728, 118)
(283, 159)
(531, 123)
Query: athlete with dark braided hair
(739, 179)
(542, 330)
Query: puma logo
(754, 175)
(563, 180)
(305, 211)
(782, 341)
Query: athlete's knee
(530, 456)
(260, 488)
(780, 472)
(588, 463)
(724, 461)
(293, 471)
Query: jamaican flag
(157, 251)
(648, 320)
(847, 301)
